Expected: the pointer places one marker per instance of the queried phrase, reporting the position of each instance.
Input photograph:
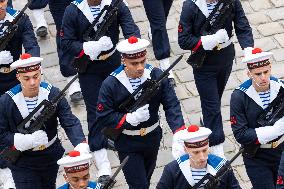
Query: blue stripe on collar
(244, 86)
(215, 161)
(12, 11)
(182, 158)
(77, 2)
(118, 70)
(15, 90)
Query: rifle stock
(149, 89)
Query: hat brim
(26, 62)
(128, 48)
(253, 58)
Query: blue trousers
(157, 12)
(139, 168)
(262, 170)
(90, 85)
(210, 82)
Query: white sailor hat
(255, 58)
(195, 136)
(133, 47)
(75, 162)
(26, 63)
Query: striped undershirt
(95, 10)
(198, 174)
(265, 98)
(31, 103)
(1, 31)
(135, 83)
(211, 6)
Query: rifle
(149, 89)
(274, 111)
(108, 13)
(112, 181)
(210, 181)
(36, 119)
(213, 23)
(12, 27)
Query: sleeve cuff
(179, 129)
(197, 45)
(119, 125)
(81, 54)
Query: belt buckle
(274, 144)
(219, 47)
(142, 131)
(5, 70)
(41, 147)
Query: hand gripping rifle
(274, 111)
(112, 181)
(108, 13)
(36, 119)
(12, 27)
(149, 89)
(209, 181)
(215, 21)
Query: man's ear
(249, 74)
(18, 77)
(65, 177)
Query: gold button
(142, 131)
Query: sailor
(190, 168)
(77, 171)
(262, 143)
(141, 135)
(101, 58)
(40, 150)
(212, 77)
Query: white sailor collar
(202, 5)
(11, 14)
(85, 8)
(17, 96)
(249, 90)
(214, 164)
(121, 76)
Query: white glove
(211, 41)
(5, 57)
(247, 51)
(6, 178)
(269, 133)
(83, 148)
(178, 145)
(24, 142)
(140, 115)
(222, 36)
(94, 48)
(102, 162)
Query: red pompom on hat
(192, 128)
(25, 56)
(74, 153)
(256, 50)
(132, 40)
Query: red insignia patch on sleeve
(61, 33)
(279, 180)
(180, 29)
(100, 107)
(233, 120)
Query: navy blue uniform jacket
(25, 37)
(192, 19)
(113, 93)
(74, 25)
(10, 118)
(173, 178)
